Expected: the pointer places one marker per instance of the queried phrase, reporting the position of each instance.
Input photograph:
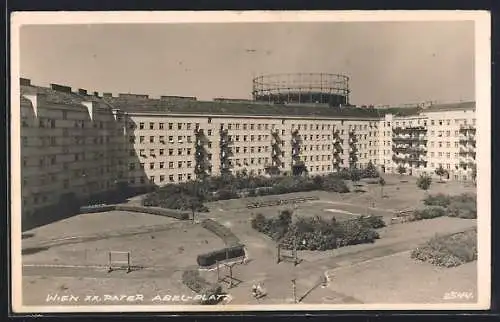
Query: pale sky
(388, 63)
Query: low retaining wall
(172, 213)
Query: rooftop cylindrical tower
(322, 88)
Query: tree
(424, 182)
(371, 171)
(355, 176)
(401, 170)
(474, 173)
(441, 172)
(197, 196)
(381, 183)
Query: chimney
(96, 94)
(25, 81)
(60, 88)
(82, 91)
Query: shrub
(461, 206)
(429, 213)
(424, 182)
(460, 209)
(355, 231)
(209, 292)
(335, 184)
(374, 222)
(370, 171)
(258, 222)
(439, 199)
(185, 196)
(449, 251)
(211, 258)
(317, 233)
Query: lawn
(171, 243)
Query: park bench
(402, 217)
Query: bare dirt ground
(381, 272)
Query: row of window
(432, 122)
(50, 123)
(246, 126)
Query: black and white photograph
(250, 161)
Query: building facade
(84, 144)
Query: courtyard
(70, 256)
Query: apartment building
(165, 144)
(452, 140)
(441, 136)
(80, 143)
(68, 145)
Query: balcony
(409, 138)
(409, 129)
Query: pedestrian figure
(324, 281)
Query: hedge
(154, 211)
(221, 231)
(209, 259)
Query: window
(188, 126)
(179, 151)
(141, 139)
(209, 132)
(171, 178)
(170, 151)
(162, 165)
(162, 151)
(189, 164)
(171, 139)
(151, 139)
(179, 164)
(141, 126)
(160, 125)
(179, 177)
(170, 165)
(170, 126)
(162, 178)
(179, 126)
(152, 165)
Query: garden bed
(449, 251)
